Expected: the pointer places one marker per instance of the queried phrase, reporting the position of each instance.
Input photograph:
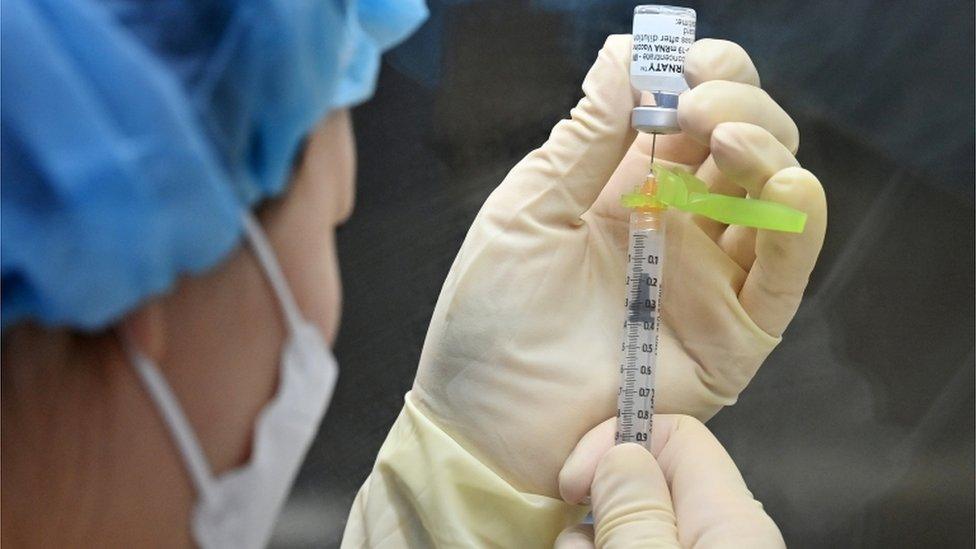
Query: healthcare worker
(171, 179)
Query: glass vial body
(661, 38)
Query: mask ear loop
(159, 390)
(266, 257)
(179, 427)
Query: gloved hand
(689, 494)
(522, 353)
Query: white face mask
(238, 509)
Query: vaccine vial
(661, 38)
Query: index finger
(711, 59)
(707, 59)
(725, 88)
(706, 106)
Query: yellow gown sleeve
(426, 490)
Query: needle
(653, 146)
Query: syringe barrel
(641, 326)
(647, 220)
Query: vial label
(660, 43)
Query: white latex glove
(522, 353)
(688, 494)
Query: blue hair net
(133, 133)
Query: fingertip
(624, 459)
(572, 488)
(615, 57)
(791, 136)
(795, 175)
(731, 138)
(785, 128)
(624, 464)
(617, 41)
(696, 112)
(686, 423)
(711, 103)
(575, 537)
(712, 59)
(734, 147)
(796, 187)
(664, 426)
(748, 154)
(668, 427)
(616, 49)
(577, 472)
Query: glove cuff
(426, 487)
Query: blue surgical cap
(133, 133)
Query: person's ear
(146, 327)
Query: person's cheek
(331, 297)
(346, 163)
(341, 181)
(302, 225)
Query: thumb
(631, 500)
(629, 493)
(556, 183)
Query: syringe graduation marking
(636, 397)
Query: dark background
(859, 429)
